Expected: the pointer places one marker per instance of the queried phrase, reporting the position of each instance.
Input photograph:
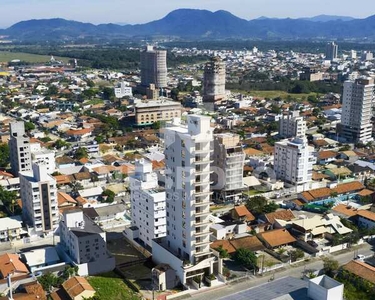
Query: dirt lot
(121, 249)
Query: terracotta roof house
(325, 157)
(11, 264)
(78, 288)
(64, 200)
(284, 214)
(324, 193)
(366, 218)
(224, 244)
(345, 210)
(249, 242)
(361, 269)
(75, 288)
(241, 213)
(276, 238)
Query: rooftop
(287, 286)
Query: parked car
(313, 244)
(360, 257)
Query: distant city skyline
(133, 12)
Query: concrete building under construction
(214, 80)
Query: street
(294, 271)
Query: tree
(246, 258)
(109, 196)
(296, 254)
(258, 205)
(81, 153)
(330, 266)
(29, 126)
(108, 93)
(4, 155)
(61, 144)
(49, 280)
(8, 198)
(223, 252)
(52, 90)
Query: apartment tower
(358, 98)
(214, 80)
(39, 200)
(20, 153)
(186, 248)
(154, 67)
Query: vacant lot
(111, 286)
(281, 94)
(123, 251)
(6, 56)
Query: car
(360, 257)
(313, 244)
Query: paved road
(294, 271)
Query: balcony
(199, 233)
(202, 222)
(200, 243)
(201, 213)
(200, 203)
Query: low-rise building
(85, 243)
(149, 112)
(11, 228)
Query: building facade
(148, 207)
(149, 112)
(154, 67)
(292, 125)
(228, 162)
(39, 200)
(293, 161)
(85, 243)
(358, 98)
(214, 80)
(331, 51)
(123, 90)
(19, 144)
(186, 248)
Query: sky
(142, 11)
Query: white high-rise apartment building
(40, 155)
(358, 98)
(186, 248)
(19, 143)
(331, 51)
(292, 125)
(154, 67)
(293, 161)
(39, 200)
(148, 210)
(228, 162)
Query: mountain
(199, 24)
(327, 18)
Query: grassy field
(6, 56)
(275, 94)
(110, 286)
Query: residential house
(317, 226)
(366, 219)
(39, 258)
(75, 288)
(276, 238)
(11, 264)
(361, 269)
(326, 157)
(241, 213)
(271, 218)
(11, 228)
